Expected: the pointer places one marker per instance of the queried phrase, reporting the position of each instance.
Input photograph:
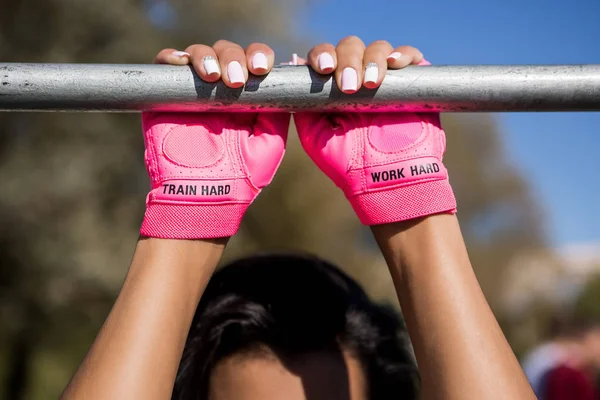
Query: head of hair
(295, 304)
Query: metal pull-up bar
(130, 88)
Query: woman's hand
(207, 168)
(389, 165)
(224, 60)
(355, 64)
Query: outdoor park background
(74, 184)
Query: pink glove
(389, 165)
(206, 169)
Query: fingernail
(235, 72)
(294, 59)
(394, 56)
(371, 73)
(180, 54)
(210, 65)
(325, 62)
(259, 61)
(349, 80)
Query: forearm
(137, 352)
(460, 348)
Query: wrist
(192, 221)
(421, 245)
(404, 203)
(169, 267)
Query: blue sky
(556, 152)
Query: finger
(259, 58)
(322, 58)
(348, 73)
(232, 60)
(204, 60)
(172, 56)
(375, 63)
(403, 56)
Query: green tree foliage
(74, 184)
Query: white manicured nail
(371, 73)
(349, 80)
(235, 72)
(259, 61)
(180, 54)
(294, 59)
(211, 66)
(394, 56)
(325, 62)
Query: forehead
(314, 376)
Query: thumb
(263, 149)
(268, 122)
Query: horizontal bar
(129, 88)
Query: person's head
(277, 327)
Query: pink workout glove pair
(206, 169)
(389, 165)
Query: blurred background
(74, 184)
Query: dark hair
(295, 304)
